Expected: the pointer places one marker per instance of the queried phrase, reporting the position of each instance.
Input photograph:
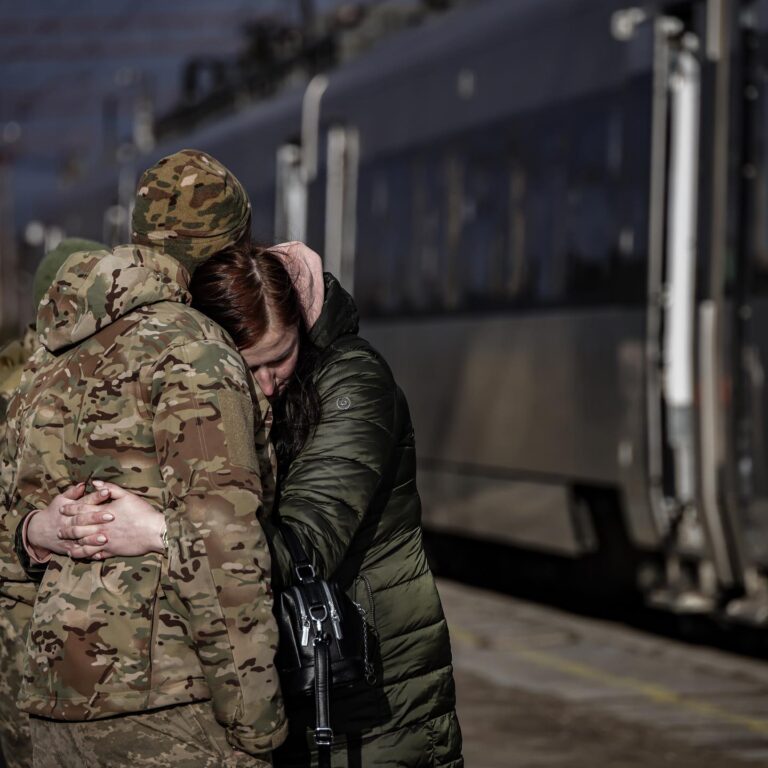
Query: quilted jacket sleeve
(331, 484)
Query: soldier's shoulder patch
(238, 420)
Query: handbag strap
(323, 730)
(302, 565)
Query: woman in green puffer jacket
(347, 488)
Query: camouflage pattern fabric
(15, 354)
(45, 274)
(135, 387)
(179, 737)
(14, 724)
(190, 206)
(15, 615)
(13, 358)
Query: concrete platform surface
(540, 687)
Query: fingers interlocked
(83, 524)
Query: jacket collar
(338, 317)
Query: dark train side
(553, 216)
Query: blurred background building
(87, 86)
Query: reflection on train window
(483, 221)
(423, 279)
(592, 221)
(514, 274)
(395, 253)
(539, 211)
(384, 259)
(545, 207)
(453, 185)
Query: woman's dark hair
(247, 290)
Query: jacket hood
(13, 357)
(338, 317)
(95, 288)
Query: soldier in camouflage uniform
(13, 357)
(14, 354)
(14, 615)
(135, 387)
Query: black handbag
(324, 641)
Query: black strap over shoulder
(302, 565)
(323, 731)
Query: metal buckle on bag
(318, 614)
(305, 572)
(323, 737)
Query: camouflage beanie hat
(52, 261)
(190, 207)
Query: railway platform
(538, 687)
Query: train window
(453, 174)
(423, 280)
(484, 210)
(631, 193)
(606, 206)
(591, 221)
(396, 261)
(373, 204)
(545, 203)
(383, 254)
(543, 210)
(514, 273)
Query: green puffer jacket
(351, 497)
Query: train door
(713, 487)
(689, 333)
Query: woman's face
(272, 359)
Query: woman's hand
(42, 532)
(118, 523)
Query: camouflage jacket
(135, 387)
(13, 358)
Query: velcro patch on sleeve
(237, 417)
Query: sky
(61, 61)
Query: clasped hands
(105, 523)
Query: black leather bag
(324, 640)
